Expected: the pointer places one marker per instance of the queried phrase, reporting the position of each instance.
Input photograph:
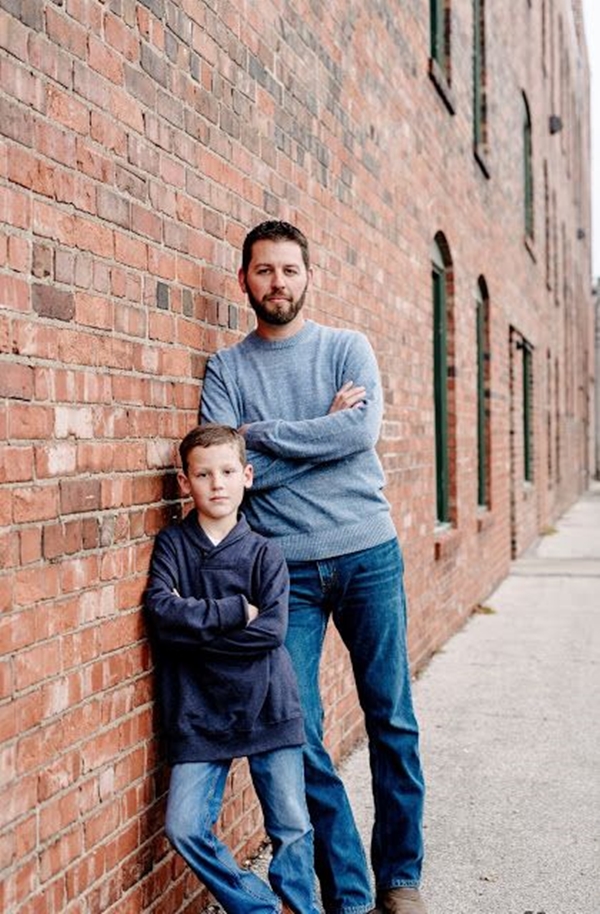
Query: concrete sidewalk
(510, 722)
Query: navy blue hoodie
(226, 688)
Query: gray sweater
(317, 478)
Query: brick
(34, 584)
(66, 33)
(61, 539)
(67, 111)
(16, 382)
(42, 261)
(14, 293)
(79, 495)
(29, 421)
(19, 253)
(50, 302)
(15, 123)
(105, 61)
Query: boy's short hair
(274, 230)
(209, 435)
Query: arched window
(479, 78)
(483, 394)
(527, 169)
(440, 44)
(439, 18)
(443, 380)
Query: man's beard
(283, 313)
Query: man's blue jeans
(193, 807)
(364, 594)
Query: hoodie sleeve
(270, 593)
(186, 621)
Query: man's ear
(248, 476)
(242, 280)
(184, 483)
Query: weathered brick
(79, 495)
(49, 301)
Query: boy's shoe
(402, 901)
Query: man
(308, 400)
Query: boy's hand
(348, 396)
(252, 612)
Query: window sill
(438, 77)
(446, 541)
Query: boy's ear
(184, 483)
(248, 476)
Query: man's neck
(274, 332)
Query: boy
(217, 600)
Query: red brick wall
(139, 140)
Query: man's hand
(348, 397)
(252, 612)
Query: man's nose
(278, 280)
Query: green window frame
(479, 109)
(483, 419)
(439, 44)
(527, 170)
(440, 386)
(527, 412)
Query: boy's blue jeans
(364, 593)
(194, 803)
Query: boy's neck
(216, 530)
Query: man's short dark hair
(274, 230)
(209, 435)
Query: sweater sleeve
(221, 403)
(187, 621)
(335, 435)
(271, 595)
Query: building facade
(437, 155)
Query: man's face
(276, 281)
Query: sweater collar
(304, 334)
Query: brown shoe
(402, 901)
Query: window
(483, 395)
(479, 84)
(527, 169)
(443, 380)
(440, 36)
(440, 60)
(527, 411)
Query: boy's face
(216, 480)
